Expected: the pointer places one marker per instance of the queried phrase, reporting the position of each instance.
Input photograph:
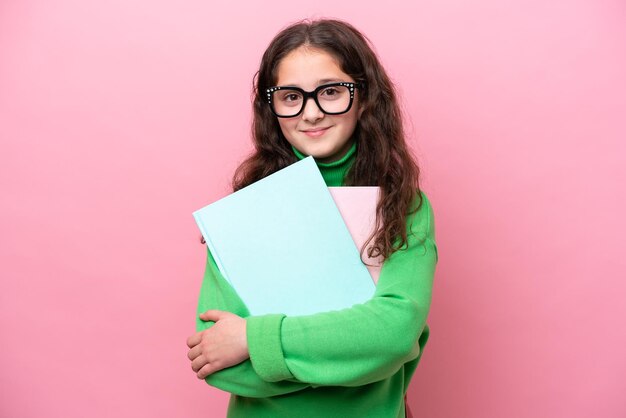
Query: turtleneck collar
(335, 172)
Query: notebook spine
(212, 249)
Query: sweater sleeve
(241, 379)
(362, 344)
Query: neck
(333, 173)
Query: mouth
(316, 132)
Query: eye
(291, 96)
(333, 93)
(329, 92)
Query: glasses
(332, 99)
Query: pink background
(118, 119)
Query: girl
(321, 91)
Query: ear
(361, 109)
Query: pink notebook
(357, 206)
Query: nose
(311, 112)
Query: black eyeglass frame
(313, 94)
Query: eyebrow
(319, 82)
(328, 80)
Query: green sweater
(355, 362)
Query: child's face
(325, 137)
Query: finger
(194, 339)
(198, 363)
(208, 369)
(194, 352)
(212, 315)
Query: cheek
(286, 126)
(350, 122)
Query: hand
(223, 345)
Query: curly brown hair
(382, 159)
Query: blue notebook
(283, 245)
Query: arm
(362, 344)
(216, 293)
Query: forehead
(309, 67)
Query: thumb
(212, 315)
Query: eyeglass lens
(333, 99)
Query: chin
(312, 150)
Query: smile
(316, 132)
